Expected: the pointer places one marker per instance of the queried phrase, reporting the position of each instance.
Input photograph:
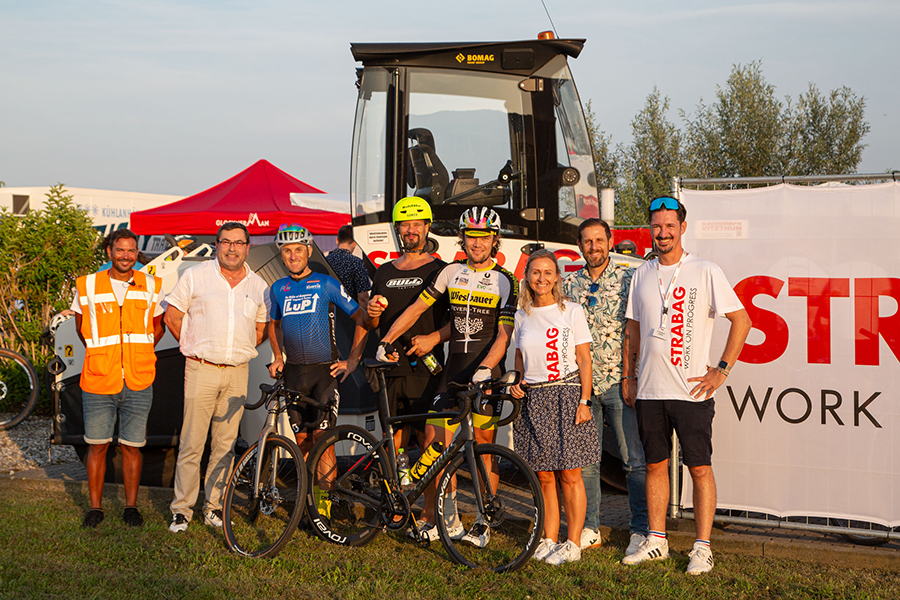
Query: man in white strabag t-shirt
(671, 309)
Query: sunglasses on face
(664, 202)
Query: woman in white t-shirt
(555, 434)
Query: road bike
(266, 493)
(18, 388)
(357, 474)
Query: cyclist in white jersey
(483, 298)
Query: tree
(742, 134)
(605, 161)
(748, 132)
(648, 164)
(826, 134)
(41, 255)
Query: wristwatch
(587, 402)
(724, 368)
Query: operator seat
(430, 174)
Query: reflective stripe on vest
(119, 340)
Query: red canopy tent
(259, 197)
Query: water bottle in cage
(427, 459)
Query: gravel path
(27, 446)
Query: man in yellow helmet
(410, 385)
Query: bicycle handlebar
(471, 391)
(292, 397)
(266, 390)
(517, 407)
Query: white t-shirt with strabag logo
(668, 359)
(547, 338)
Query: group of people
(608, 341)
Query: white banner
(808, 423)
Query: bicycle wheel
(513, 511)
(18, 388)
(347, 509)
(258, 523)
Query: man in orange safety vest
(119, 320)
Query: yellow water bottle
(427, 459)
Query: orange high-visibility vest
(119, 340)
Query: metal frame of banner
(866, 533)
(679, 182)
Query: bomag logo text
(474, 59)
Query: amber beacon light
(546, 35)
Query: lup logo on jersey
(299, 305)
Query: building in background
(109, 209)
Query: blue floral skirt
(545, 434)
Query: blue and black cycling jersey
(305, 308)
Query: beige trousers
(214, 401)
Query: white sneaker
(545, 548)
(635, 543)
(213, 518)
(701, 559)
(179, 523)
(454, 526)
(563, 553)
(652, 548)
(479, 535)
(428, 530)
(590, 538)
(456, 532)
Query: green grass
(48, 555)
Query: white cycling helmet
(479, 221)
(293, 234)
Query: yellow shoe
(323, 503)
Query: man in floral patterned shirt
(601, 286)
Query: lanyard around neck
(671, 287)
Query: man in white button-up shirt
(218, 314)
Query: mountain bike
(365, 496)
(18, 388)
(265, 495)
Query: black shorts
(692, 421)
(411, 395)
(316, 382)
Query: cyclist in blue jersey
(302, 325)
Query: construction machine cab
(494, 124)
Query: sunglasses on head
(664, 202)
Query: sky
(173, 97)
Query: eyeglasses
(232, 243)
(664, 201)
